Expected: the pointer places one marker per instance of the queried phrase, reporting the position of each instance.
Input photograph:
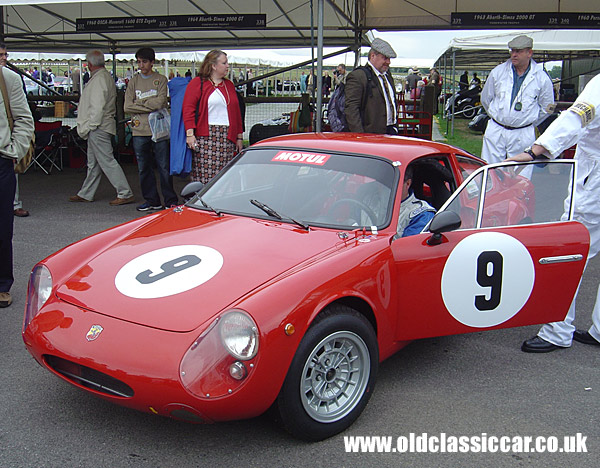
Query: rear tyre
(331, 377)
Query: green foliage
(555, 72)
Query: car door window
(510, 199)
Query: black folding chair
(48, 142)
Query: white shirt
(383, 81)
(217, 109)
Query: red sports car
(284, 281)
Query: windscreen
(315, 188)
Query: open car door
(515, 260)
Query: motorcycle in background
(465, 102)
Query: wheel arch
(358, 304)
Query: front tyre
(468, 111)
(331, 377)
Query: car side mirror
(191, 189)
(444, 221)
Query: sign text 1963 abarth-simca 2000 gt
(284, 281)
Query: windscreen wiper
(271, 212)
(208, 207)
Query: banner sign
(170, 23)
(526, 20)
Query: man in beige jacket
(13, 146)
(96, 124)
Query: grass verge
(463, 137)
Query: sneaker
(77, 198)
(5, 299)
(121, 201)
(148, 207)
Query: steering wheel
(351, 201)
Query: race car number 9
(487, 279)
(168, 271)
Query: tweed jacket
(373, 111)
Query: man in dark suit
(370, 93)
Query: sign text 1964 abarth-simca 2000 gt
(284, 281)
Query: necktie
(390, 103)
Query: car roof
(394, 148)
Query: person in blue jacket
(415, 214)
(181, 155)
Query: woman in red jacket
(212, 118)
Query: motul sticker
(315, 159)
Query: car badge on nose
(94, 332)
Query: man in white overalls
(516, 96)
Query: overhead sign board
(526, 20)
(169, 23)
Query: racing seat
(432, 182)
(48, 142)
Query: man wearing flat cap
(370, 93)
(515, 96)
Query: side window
(511, 199)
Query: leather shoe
(21, 213)
(538, 345)
(585, 338)
(121, 201)
(5, 299)
(77, 198)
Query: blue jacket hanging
(181, 155)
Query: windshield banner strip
(304, 158)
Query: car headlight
(219, 361)
(239, 335)
(38, 292)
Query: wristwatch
(530, 152)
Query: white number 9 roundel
(487, 279)
(168, 271)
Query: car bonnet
(180, 269)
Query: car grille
(88, 377)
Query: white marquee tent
(485, 52)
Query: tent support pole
(454, 87)
(319, 84)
